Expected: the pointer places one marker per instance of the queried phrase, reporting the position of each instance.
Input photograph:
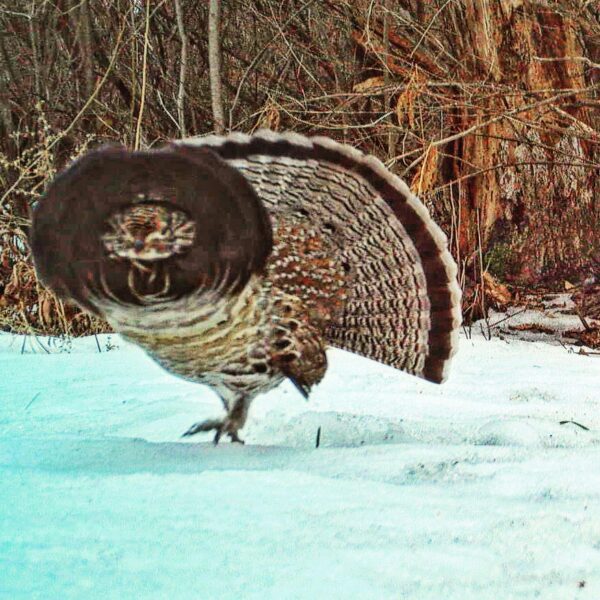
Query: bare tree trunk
(503, 145)
(6, 79)
(391, 136)
(86, 46)
(138, 128)
(214, 65)
(33, 36)
(531, 190)
(182, 69)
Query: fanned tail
(403, 300)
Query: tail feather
(403, 305)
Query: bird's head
(149, 231)
(135, 228)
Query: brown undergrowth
(489, 110)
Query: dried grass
(489, 110)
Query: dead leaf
(270, 117)
(46, 311)
(534, 327)
(589, 337)
(369, 84)
(496, 291)
(405, 106)
(426, 176)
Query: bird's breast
(229, 339)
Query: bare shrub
(488, 109)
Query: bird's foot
(226, 426)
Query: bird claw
(227, 426)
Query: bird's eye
(138, 245)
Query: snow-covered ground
(469, 490)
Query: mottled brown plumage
(235, 261)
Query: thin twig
(486, 123)
(257, 59)
(583, 59)
(507, 318)
(574, 423)
(72, 124)
(33, 400)
(138, 129)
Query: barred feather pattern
(161, 231)
(244, 345)
(247, 256)
(223, 344)
(385, 260)
(402, 302)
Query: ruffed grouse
(234, 261)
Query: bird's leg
(236, 419)
(230, 425)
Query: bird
(235, 261)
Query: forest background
(488, 109)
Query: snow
(469, 490)
(551, 318)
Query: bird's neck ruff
(148, 228)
